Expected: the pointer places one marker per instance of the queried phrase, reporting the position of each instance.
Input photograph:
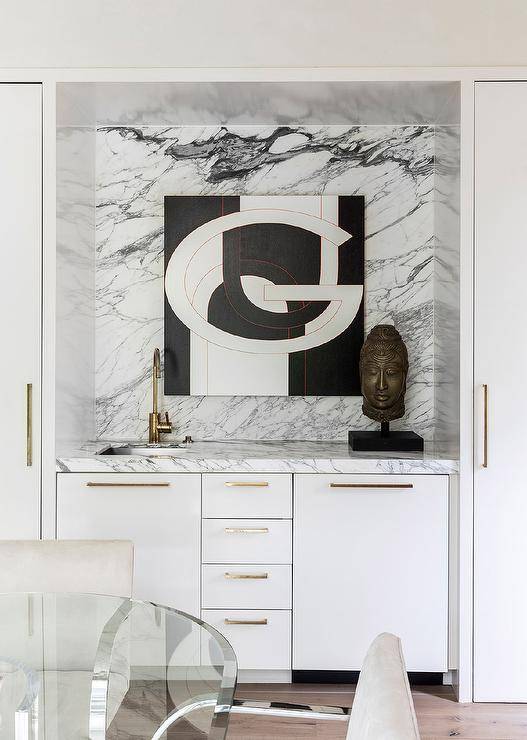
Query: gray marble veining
(446, 284)
(393, 166)
(259, 456)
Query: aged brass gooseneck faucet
(156, 427)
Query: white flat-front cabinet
(370, 556)
(20, 304)
(161, 514)
(500, 491)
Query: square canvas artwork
(263, 295)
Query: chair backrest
(383, 708)
(76, 566)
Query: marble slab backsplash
(392, 166)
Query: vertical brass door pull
(29, 424)
(485, 425)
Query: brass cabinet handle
(29, 425)
(246, 530)
(246, 621)
(246, 484)
(485, 425)
(371, 485)
(93, 484)
(247, 576)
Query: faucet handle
(164, 426)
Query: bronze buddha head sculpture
(383, 371)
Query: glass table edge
(230, 664)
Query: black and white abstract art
(263, 295)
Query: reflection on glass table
(78, 666)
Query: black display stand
(385, 441)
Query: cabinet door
(159, 513)
(500, 491)
(20, 304)
(370, 560)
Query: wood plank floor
(438, 714)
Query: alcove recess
(396, 141)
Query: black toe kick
(415, 678)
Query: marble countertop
(258, 456)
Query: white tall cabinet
(500, 493)
(20, 314)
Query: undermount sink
(146, 450)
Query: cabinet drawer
(263, 645)
(247, 495)
(246, 587)
(247, 541)
(160, 513)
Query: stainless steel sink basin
(145, 450)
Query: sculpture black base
(391, 442)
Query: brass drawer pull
(246, 530)
(247, 484)
(371, 485)
(92, 484)
(247, 576)
(29, 424)
(485, 425)
(246, 621)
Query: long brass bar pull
(371, 485)
(29, 425)
(485, 425)
(246, 530)
(95, 484)
(246, 484)
(246, 621)
(247, 576)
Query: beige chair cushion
(383, 708)
(76, 566)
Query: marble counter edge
(88, 461)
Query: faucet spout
(156, 427)
(156, 374)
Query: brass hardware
(247, 576)
(246, 621)
(485, 425)
(156, 427)
(92, 484)
(29, 425)
(371, 485)
(246, 530)
(246, 484)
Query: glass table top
(78, 666)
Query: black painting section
(281, 253)
(333, 368)
(183, 214)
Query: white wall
(75, 338)
(171, 33)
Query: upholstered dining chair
(76, 566)
(383, 708)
